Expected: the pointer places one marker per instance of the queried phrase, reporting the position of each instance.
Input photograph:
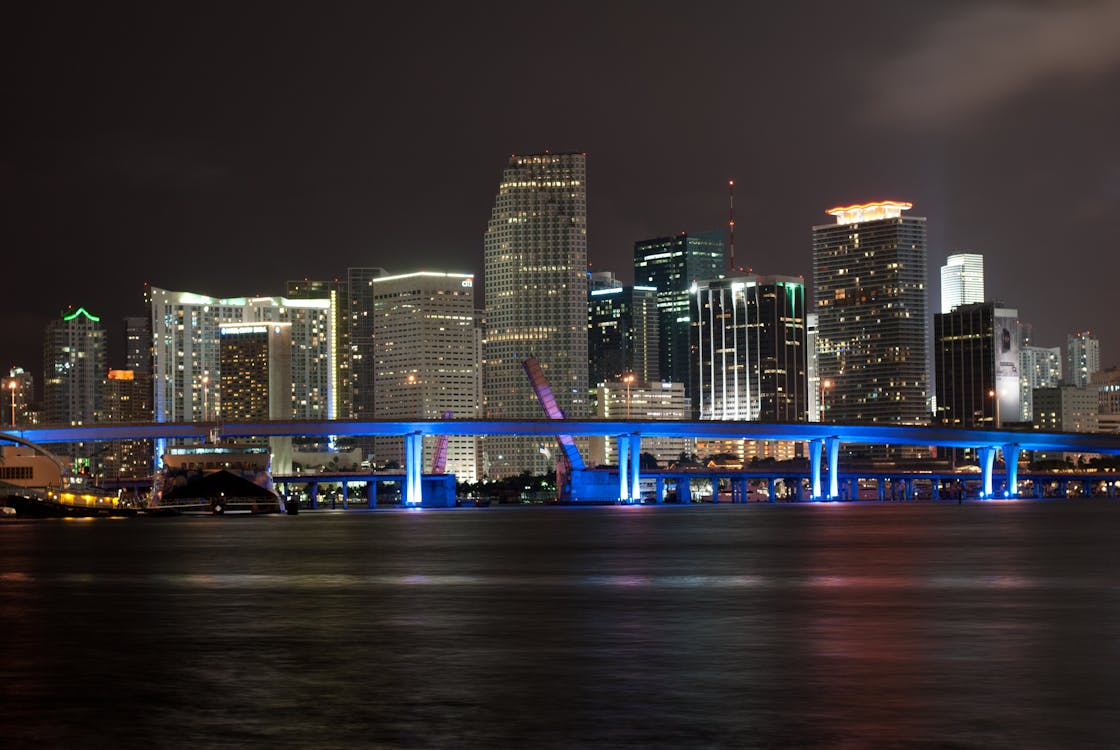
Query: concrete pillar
(635, 469)
(684, 490)
(313, 494)
(987, 456)
(371, 493)
(660, 490)
(770, 490)
(853, 488)
(413, 457)
(881, 486)
(815, 468)
(935, 488)
(1011, 461)
(832, 449)
(345, 494)
(623, 442)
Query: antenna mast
(731, 225)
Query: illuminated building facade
(255, 383)
(976, 360)
(870, 299)
(640, 400)
(426, 356)
(359, 290)
(535, 252)
(1083, 358)
(338, 347)
(622, 333)
(962, 281)
(812, 368)
(1039, 367)
(74, 364)
(126, 397)
(138, 344)
(16, 398)
(670, 265)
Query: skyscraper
(976, 355)
(1083, 358)
(359, 292)
(1039, 367)
(126, 397)
(670, 265)
(536, 299)
(426, 355)
(255, 370)
(962, 280)
(869, 290)
(338, 293)
(138, 344)
(74, 364)
(623, 334)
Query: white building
(1039, 367)
(426, 365)
(1083, 358)
(641, 401)
(962, 281)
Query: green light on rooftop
(81, 311)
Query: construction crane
(569, 458)
(439, 457)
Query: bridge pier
(623, 443)
(832, 450)
(1011, 462)
(371, 493)
(987, 456)
(413, 457)
(770, 490)
(684, 490)
(660, 491)
(815, 469)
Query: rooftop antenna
(731, 225)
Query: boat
(34, 483)
(214, 479)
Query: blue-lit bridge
(824, 443)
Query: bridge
(824, 442)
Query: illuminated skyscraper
(138, 345)
(976, 355)
(670, 265)
(536, 299)
(1083, 358)
(426, 355)
(74, 364)
(869, 272)
(1039, 367)
(623, 334)
(126, 397)
(962, 281)
(255, 366)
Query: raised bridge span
(824, 441)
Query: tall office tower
(869, 272)
(255, 380)
(426, 351)
(1083, 358)
(138, 344)
(976, 355)
(1039, 367)
(359, 289)
(962, 281)
(536, 299)
(186, 365)
(670, 265)
(602, 280)
(17, 395)
(126, 397)
(812, 368)
(1107, 384)
(618, 400)
(622, 330)
(339, 346)
(74, 364)
(749, 349)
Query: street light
(995, 397)
(628, 379)
(205, 409)
(411, 379)
(825, 385)
(12, 388)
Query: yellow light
(873, 211)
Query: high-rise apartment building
(126, 397)
(749, 349)
(16, 398)
(962, 281)
(255, 379)
(74, 364)
(338, 293)
(1083, 358)
(359, 290)
(1039, 367)
(869, 272)
(536, 299)
(138, 344)
(623, 333)
(812, 367)
(976, 356)
(426, 356)
(671, 265)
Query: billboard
(1006, 348)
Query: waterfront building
(1083, 357)
(623, 333)
(870, 298)
(74, 364)
(138, 344)
(976, 361)
(17, 397)
(640, 400)
(126, 396)
(359, 290)
(338, 347)
(1039, 367)
(671, 265)
(426, 362)
(535, 251)
(962, 281)
(816, 387)
(255, 380)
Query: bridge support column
(987, 456)
(881, 488)
(770, 490)
(832, 450)
(345, 494)
(413, 457)
(684, 490)
(313, 494)
(815, 468)
(660, 490)
(1011, 461)
(371, 493)
(623, 468)
(635, 469)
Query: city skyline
(230, 173)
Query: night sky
(238, 145)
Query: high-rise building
(138, 344)
(869, 272)
(426, 354)
(17, 397)
(962, 281)
(749, 349)
(339, 346)
(1083, 358)
(255, 380)
(623, 334)
(812, 367)
(1039, 367)
(359, 291)
(1066, 408)
(976, 355)
(126, 397)
(671, 265)
(74, 364)
(536, 299)
(640, 401)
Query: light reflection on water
(793, 626)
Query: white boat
(215, 479)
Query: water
(793, 626)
